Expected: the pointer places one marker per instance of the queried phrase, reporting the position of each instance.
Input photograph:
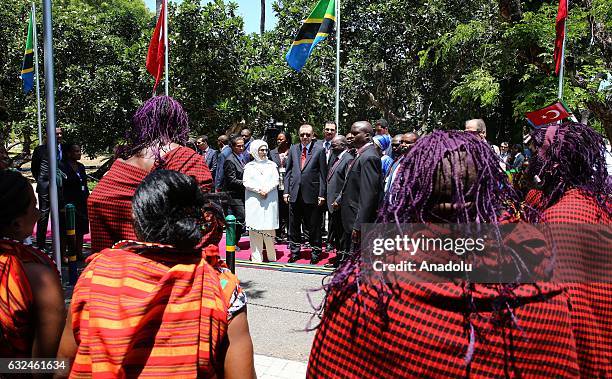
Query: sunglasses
(395, 144)
(330, 130)
(264, 149)
(304, 134)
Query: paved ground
(280, 311)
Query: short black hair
(383, 123)
(14, 196)
(204, 138)
(167, 208)
(234, 140)
(286, 134)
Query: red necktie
(303, 160)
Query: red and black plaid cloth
(586, 253)
(563, 334)
(110, 203)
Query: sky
(248, 9)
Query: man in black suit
(336, 176)
(279, 156)
(211, 156)
(223, 142)
(40, 172)
(363, 186)
(305, 188)
(233, 168)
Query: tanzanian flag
(314, 30)
(27, 70)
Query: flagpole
(40, 140)
(51, 140)
(166, 44)
(338, 64)
(562, 68)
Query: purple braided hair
(571, 155)
(414, 194)
(482, 195)
(159, 121)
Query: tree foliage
(421, 64)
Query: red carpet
(282, 251)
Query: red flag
(550, 114)
(560, 28)
(157, 50)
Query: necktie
(333, 168)
(303, 160)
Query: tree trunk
(603, 111)
(510, 10)
(27, 141)
(262, 19)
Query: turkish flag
(550, 114)
(157, 49)
(560, 28)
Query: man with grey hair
(478, 127)
(305, 191)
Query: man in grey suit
(305, 189)
(336, 176)
(363, 186)
(211, 156)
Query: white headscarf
(254, 149)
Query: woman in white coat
(261, 201)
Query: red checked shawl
(140, 310)
(110, 203)
(428, 336)
(591, 303)
(16, 298)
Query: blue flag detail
(27, 69)
(315, 29)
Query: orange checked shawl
(16, 298)
(143, 310)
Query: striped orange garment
(16, 299)
(144, 310)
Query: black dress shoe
(314, 260)
(293, 258)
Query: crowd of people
(287, 193)
(156, 299)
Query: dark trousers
(336, 231)
(346, 247)
(236, 208)
(283, 216)
(44, 206)
(308, 216)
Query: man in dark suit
(233, 168)
(363, 186)
(329, 132)
(336, 176)
(305, 188)
(211, 156)
(279, 156)
(40, 172)
(223, 142)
